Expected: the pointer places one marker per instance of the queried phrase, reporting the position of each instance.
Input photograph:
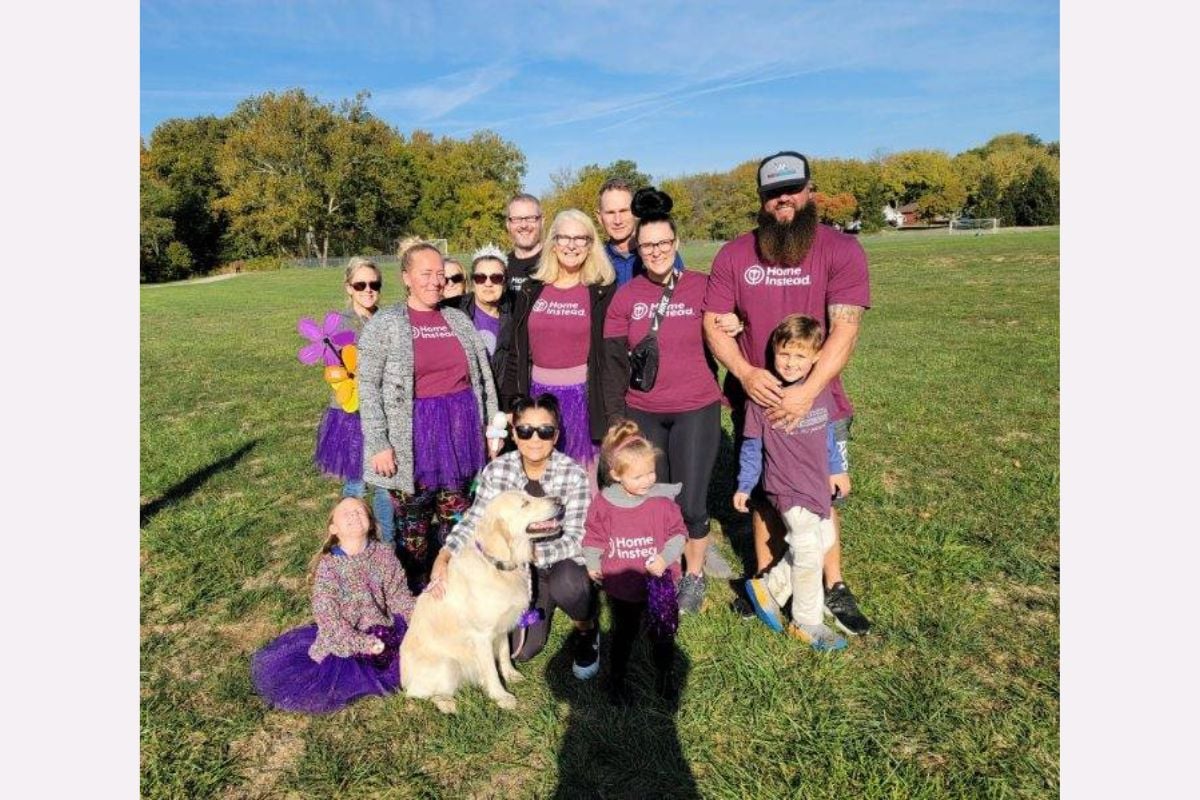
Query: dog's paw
(507, 701)
(510, 675)
(446, 705)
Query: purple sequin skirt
(576, 437)
(288, 679)
(339, 450)
(448, 446)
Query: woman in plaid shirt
(560, 579)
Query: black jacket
(466, 304)
(517, 372)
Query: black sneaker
(586, 651)
(691, 593)
(841, 605)
(741, 606)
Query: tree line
(286, 176)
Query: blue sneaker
(823, 641)
(764, 605)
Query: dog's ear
(493, 535)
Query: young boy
(796, 477)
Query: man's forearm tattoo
(843, 313)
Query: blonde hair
(623, 445)
(331, 539)
(357, 263)
(596, 269)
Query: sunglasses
(360, 286)
(544, 432)
(496, 279)
(455, 278)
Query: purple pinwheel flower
(325, 342)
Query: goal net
(969, 225)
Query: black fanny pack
(643, 358)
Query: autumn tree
(581, 188)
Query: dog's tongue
(545, 525)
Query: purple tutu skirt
(339, 451)
(288, 679)
(448, 446)
(576, 437)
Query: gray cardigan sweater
(386, 384)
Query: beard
(786, 243)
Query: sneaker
(691, 593)
(764, 605)
(841, 605)
(587, 653)
(823, 642)
(741, 606)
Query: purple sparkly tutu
(448, 446)
(340, 445)
(288, 679)
(576, 437)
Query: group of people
(584, 370)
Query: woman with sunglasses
(488, 305)
(456, 280)
(681, 412)
(557, 339)
(425, 392)
(339, 436)
(560, 579)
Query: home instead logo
(642, 310)
(775, 276)
(423, 332)
(556, 308)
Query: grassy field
(951, 543)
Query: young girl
(632, 542)
(339, 452)
(361, 603)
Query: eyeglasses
(544, 432)
(578, 241)
(360, 286)
(496, 278)
(459, 278)
(519, 220)
(656, 247)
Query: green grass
(951, 542)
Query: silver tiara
(489, 250)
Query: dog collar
(507, 566)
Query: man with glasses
(614, 212)
(523, 219)
(790, 264)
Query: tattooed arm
(839, 345)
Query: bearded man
(789, 264)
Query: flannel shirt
(564, 479)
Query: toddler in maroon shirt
(794, 465)
(632, 542)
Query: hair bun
(650, 202)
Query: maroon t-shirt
(684, 383)
(795, 464)
(439, 361)
(628, 537)
(560, 327)
(834, 272)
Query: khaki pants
(798, 574)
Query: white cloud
(444, 94)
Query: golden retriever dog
(462, 637)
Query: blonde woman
(558, 332)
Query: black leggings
(627, 619)
(564, 585)
(689, 441)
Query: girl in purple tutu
(425, 392)
(632, 542)
(558, 333)
(339, 452)
(360, 604)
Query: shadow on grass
(194, 481)
(607, 752)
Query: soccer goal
(976, 226)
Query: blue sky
(678, 87)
